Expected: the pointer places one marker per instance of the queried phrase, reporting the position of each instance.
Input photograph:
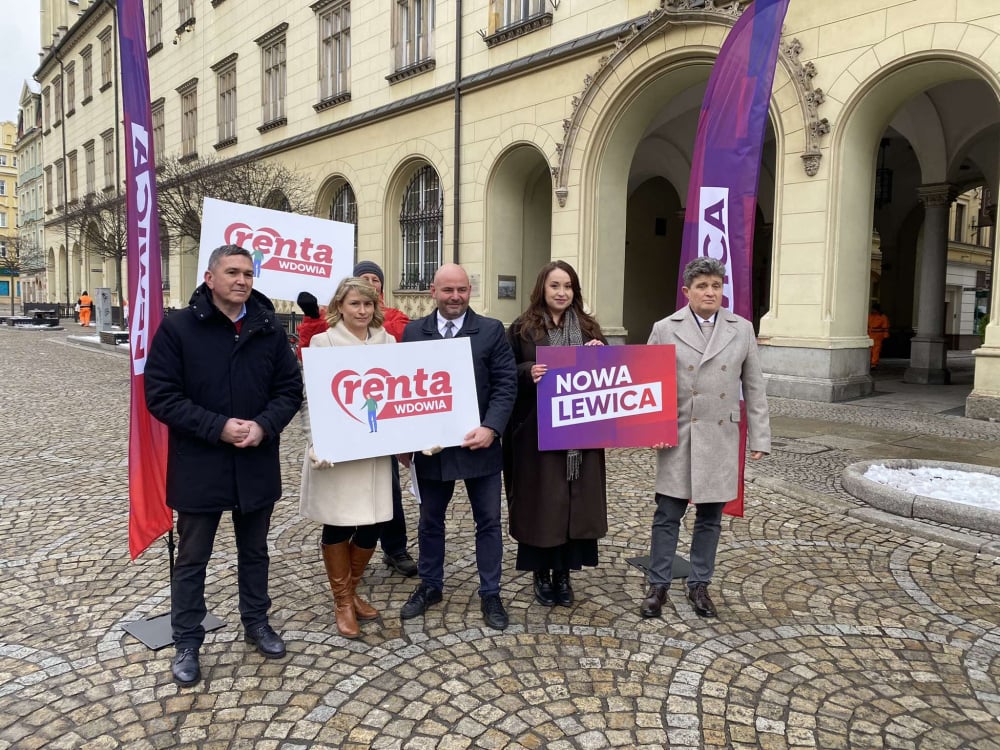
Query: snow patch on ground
(967, 487)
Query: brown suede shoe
(654, 601)
(701, 602)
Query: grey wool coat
(350, 493)
(704, 466)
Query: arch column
(928, 349)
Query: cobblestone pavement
(836, 630)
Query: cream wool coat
(350, 493)
(704, 466)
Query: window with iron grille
(272, 55)
(334, 49)
(345, 208)
(422, 222)
(413, 33)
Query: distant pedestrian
(86, 304)
(222, 378)
(878, 331)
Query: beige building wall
(571, 101)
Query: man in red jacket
(393, 533)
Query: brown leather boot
(652, 605)
(359, 560)
(337, 559)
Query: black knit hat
(308, 303)
(368, 266)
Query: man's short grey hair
(224, 251)
(703, 267)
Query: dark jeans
(666, 529)
(484, 496)
(196, 537)
(392, 533)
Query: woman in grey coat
(716, 355)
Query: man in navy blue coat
(478, 461)
(221, 376)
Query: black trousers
(196, 538)
(392, 533)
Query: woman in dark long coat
(556, 500)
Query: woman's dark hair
(535, 320)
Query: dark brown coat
(544, 508)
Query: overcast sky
(18, 51)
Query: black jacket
(200, 373)
(496, 387)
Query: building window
(57, 92)
(3, 219)
(226, 105)
(189, 118)
(334, 50)
(158, 126)
(48, 189)
(345, 208)
(3, 160)
(70, 88)
(272, 56)
(958, 233)
(108, 138)
(422, 222)
(88, 73)
(106, 72)
(90, 167)
(515, 11)
(73, 188)
(185, 10)
(60, 183)
(3, 185)
(155, 23)
(413, 32)
(47, 107)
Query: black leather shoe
(652, 605)
(266, 641)
(701, 602)
(419, 601)
(561, 590)
(493, 612)
(185, 668)
(543, 588)
(401, 562)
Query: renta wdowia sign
(367, 401)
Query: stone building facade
(504, 134)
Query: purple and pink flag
(149, 516)
(722, 194)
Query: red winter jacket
(308, 328)
(395, 322)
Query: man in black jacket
(221, 376)
(478, 460)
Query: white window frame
(334, 49)
(413, 36)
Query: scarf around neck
(567, 334)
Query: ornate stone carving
(937, 195)
(810, 98)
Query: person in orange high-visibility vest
(85, 307)
(878, 331)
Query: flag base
(155, 632)
(680, 569)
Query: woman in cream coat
(350, 498)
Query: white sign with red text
(292, 253)
(367, 401)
